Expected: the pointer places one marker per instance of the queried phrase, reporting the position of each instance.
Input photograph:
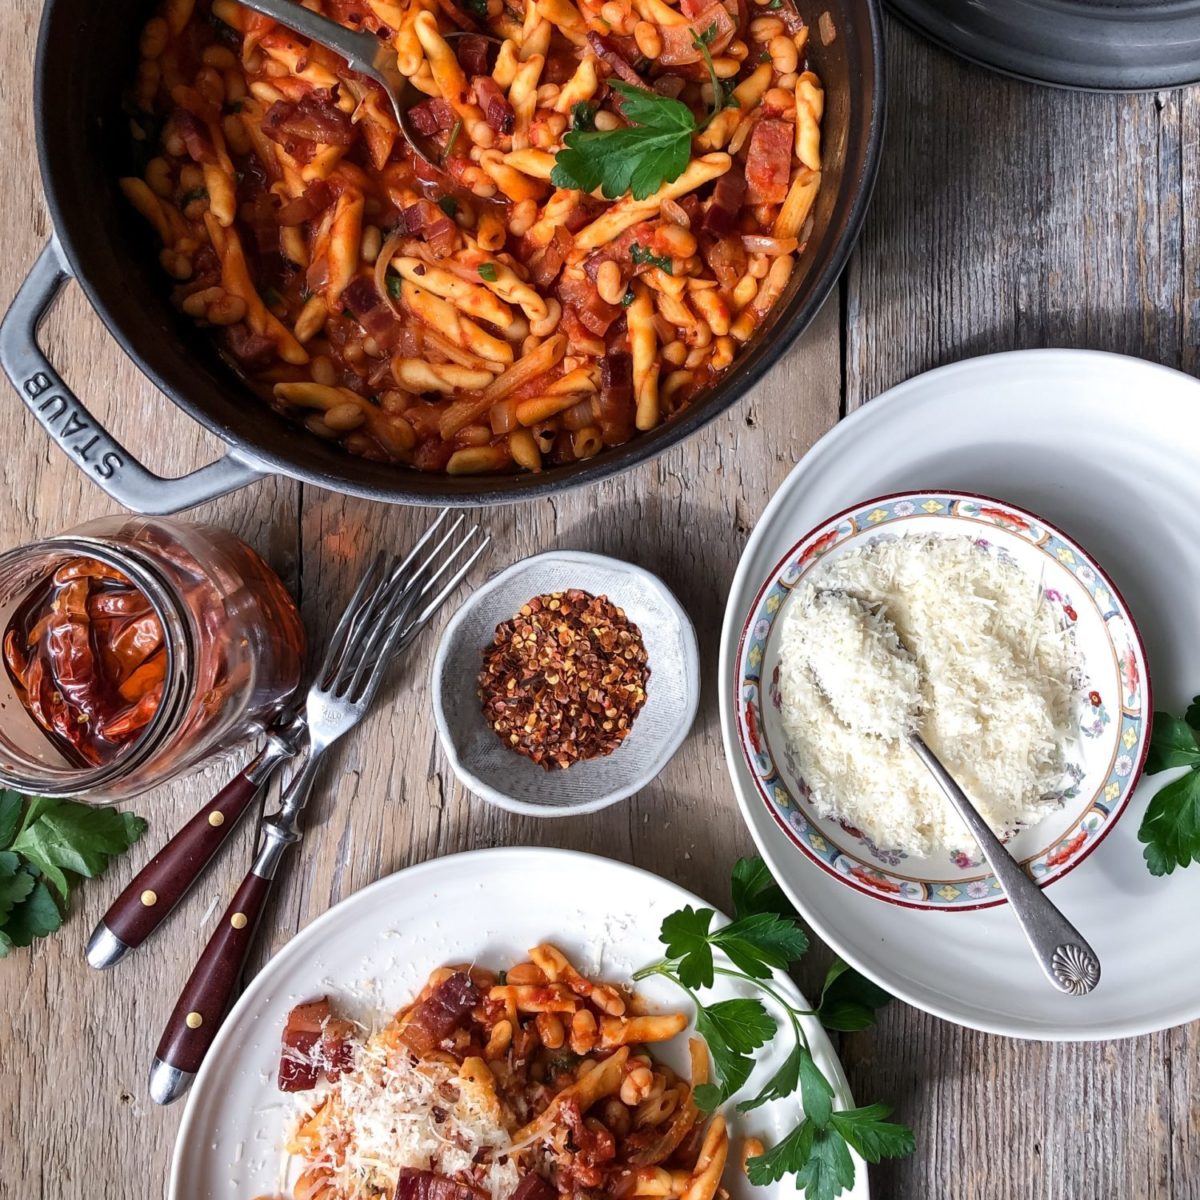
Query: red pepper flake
(564, 679)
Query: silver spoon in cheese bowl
(365, 53)
(885, 701)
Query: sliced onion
(382, 262)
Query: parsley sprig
(653, 149)
(1171, 827)
(45, 844)
(763, 938)
(723, 96)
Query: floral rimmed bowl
(1104, 763)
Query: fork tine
(396, 613)
(380, 642)
(363, 617)
(418, 622)
(442, 515)
(361, 640)
(393, 599)
(341, 636)
(448, 562)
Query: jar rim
(178, 643)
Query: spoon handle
(360, 50)
(1069, 962)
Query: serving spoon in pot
(365, 53)
(885, 701)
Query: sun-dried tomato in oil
(85, 653)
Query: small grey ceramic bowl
(499, 775)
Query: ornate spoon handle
(1062, 953)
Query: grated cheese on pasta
(390, 1112)
(998, 674)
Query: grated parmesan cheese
(998, 677)
(871, 681)
(390, 1112)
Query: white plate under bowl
(1111, 697)
(376, 948)
(485, 765)
(1103, 446)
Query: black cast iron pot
(86, 55)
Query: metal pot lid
(1097, 45)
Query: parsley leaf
(10, 815)
(199, 193)
(818, 1157)
(685, 935)
(766, 936)
(872, 1136)
(761, 943)
(784, 1158)
(628, 298)
(1171, 827)
(829, 1170)
(732, 1029)
(653, 149)
(15, 884)
(642, 254)
(393, 282)
(755, 890)
(449, 206)
(36, 917)
(816, 1092)
(1173, 741)
(583, 116)
(487, 271)
(50, 843)
(65, 836)
(741, 1024)
(849, 1000)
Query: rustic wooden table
(1006, 216)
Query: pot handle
(78, 434)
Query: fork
(154, 892)
(386, 610)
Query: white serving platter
(1108, 449)
(375, 949)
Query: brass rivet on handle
(193, 1020)
(149, 898)
(238, 920)
(216, 818)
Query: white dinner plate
(1108, 449)
(375, 949)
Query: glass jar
(228, 652)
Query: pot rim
(439, 489)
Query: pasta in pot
(481, 315)
(530, 1084)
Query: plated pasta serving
(609, 198)
(533, 1082)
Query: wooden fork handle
(155, 890)
(208, 993)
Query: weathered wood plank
(1009, 216)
